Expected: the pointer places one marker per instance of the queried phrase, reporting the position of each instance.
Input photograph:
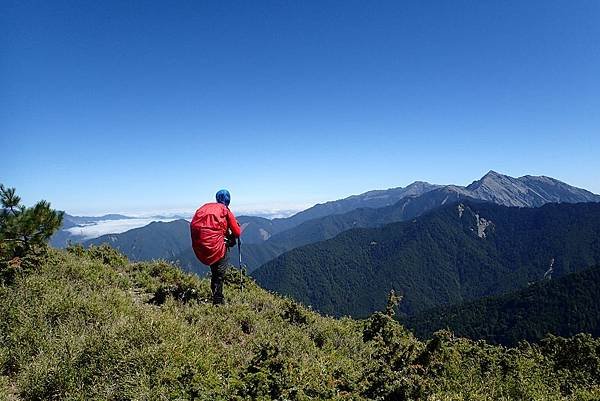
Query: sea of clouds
(98, 228)
(101, 227)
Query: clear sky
(125, 106)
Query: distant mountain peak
(493, 174)
(419, 184)
(526, 191)
(490, 176)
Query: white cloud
(264, 209)
(97, 229)
(270, 210)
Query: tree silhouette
(24, 232)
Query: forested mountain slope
(455, 253)
(564, 306)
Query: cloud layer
(99, 228)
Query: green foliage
(294, 313)
(438, 259)
(24, 233)
(84, 326)
(564, 306)
(102, 253)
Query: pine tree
(24, 232)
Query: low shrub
(81, 327)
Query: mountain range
(527, 191)
(266, 239)
(257, 229)
(457, 252)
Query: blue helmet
(223, 197)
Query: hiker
(214, 230)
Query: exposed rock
(482, 225)
(265, 235)
(548, 274)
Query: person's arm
(233, 224)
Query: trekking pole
(239, 243)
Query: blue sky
(145, 106)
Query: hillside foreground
(89, 325)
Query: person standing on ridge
(214, 230)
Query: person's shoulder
(210, 206)
(216, 206)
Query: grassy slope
(84, 326)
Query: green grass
(88, 325)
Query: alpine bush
(82, 326)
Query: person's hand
(229, 241)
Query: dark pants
(218, 271)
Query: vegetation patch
(74, 328)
